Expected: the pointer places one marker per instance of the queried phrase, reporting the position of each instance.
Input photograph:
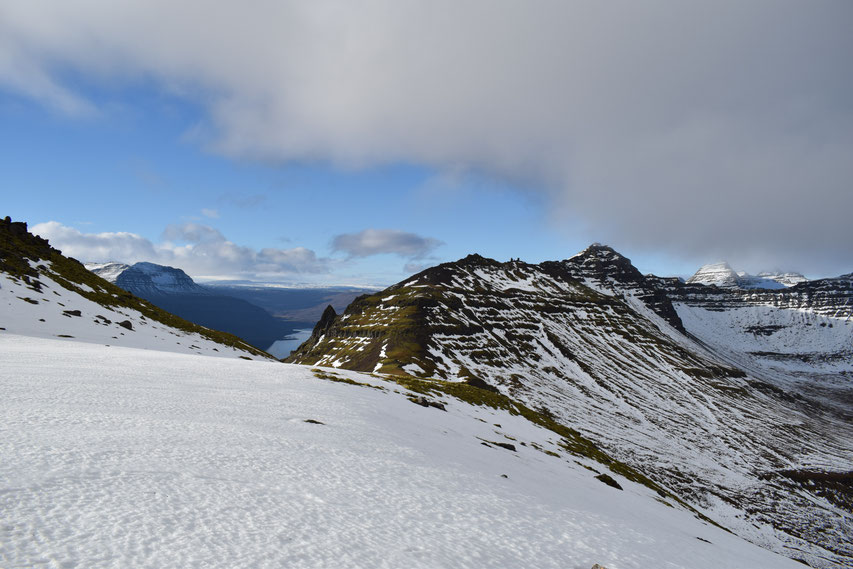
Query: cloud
(199, 250)
(697, 129)
(378, 241)
(211, 213)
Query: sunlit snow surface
(122, 457)
(53, 313)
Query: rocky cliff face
(657, 370)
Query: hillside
(45, 294)
(618, 356)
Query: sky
(358, 142)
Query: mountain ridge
(595, 342)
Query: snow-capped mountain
(722, 275)
(718, 274)
(175, 291)
(47, 295)
(696, 383)
(148, 278)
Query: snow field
(30, 313)
(119, 457)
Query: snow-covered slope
(117, 457)
(57, 312)
(602, 348)
(47, 295)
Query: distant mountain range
(722, 275)
(261, 315)
(739, 399)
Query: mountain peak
(601, 263)
(475, 260)
(720, 274)
(598, 250)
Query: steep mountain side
(45, 294)
(613, 361)
(174, 291)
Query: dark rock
(126, 324)
(507, 446)
(71, 313)
(314, 422)
(326, 320)
(424, 402)
(607, 479)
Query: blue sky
(135, 168)
(351, 145)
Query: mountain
(174, 291)
(48, 295)
(722, 275)
(738, 401)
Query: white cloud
(687, 127)
(379, 241)
(199, 250)
(211, 213)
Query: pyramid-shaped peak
(602, 262)
(719, 274)
(601, 252)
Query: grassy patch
(330, 376)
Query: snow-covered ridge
(57, 312)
